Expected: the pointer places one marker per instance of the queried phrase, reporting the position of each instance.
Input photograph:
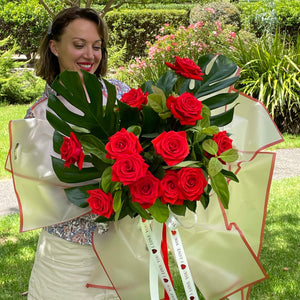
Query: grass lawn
(279, 256)
(7, 113)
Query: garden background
(262, 37)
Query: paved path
(287, 165)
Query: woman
(64, 260)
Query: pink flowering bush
(197, 39)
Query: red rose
(187, 68)
(170, 189)
(224, 143)
(101, 203)
(191, 182)
(129, 168)
(145, 191)
(71, 151)
(135, 98)
(172, 146)
(186, 108)
(122, 142)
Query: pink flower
(210, 10)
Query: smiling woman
(76, 39)
(65, 260)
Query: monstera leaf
(82, 111)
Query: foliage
(26, 21)
(271, 73)
(17, 85)
(267, 15)
(150, 123)
(225, 12)
(135, 27)
(192, 41)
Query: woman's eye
(78, 46)
(97, 48)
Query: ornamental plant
(156, 150)
(197, 39)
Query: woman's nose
(89, 52)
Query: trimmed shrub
(17, 85)
(224, 12)
(136, 27)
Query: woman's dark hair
(47, 65)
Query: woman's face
(79, 47)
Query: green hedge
(25, 21)
(135, 27)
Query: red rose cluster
(130, 169)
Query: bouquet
(157, 150)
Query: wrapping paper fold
(222, 246)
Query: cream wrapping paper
(222, 247)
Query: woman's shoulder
(38, 109)
(121, 87)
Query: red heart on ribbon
(183, 266)
(174, 232)
(192, 297)
(154, 251)
(166, 280)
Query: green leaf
(58, 140)
(117, 204)
(178, 209)
(137, 207)
(159, 211)
(151, 120)
(222, 119)
(92, 144)
(106, 179)
(229, 155)
(210, 130)
(58, 124)
(155, 101)
(191, 205)
(166, 82)
(78, 195)
(73, 174)
(214, 166)
(128, 115)
(204, 200)
(136, 130)
(219, 185)
(187, 163)
(220, 100)
(230, 175)
(210, 146)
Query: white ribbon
(157, 266)
(181, 260)
(156, 257)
